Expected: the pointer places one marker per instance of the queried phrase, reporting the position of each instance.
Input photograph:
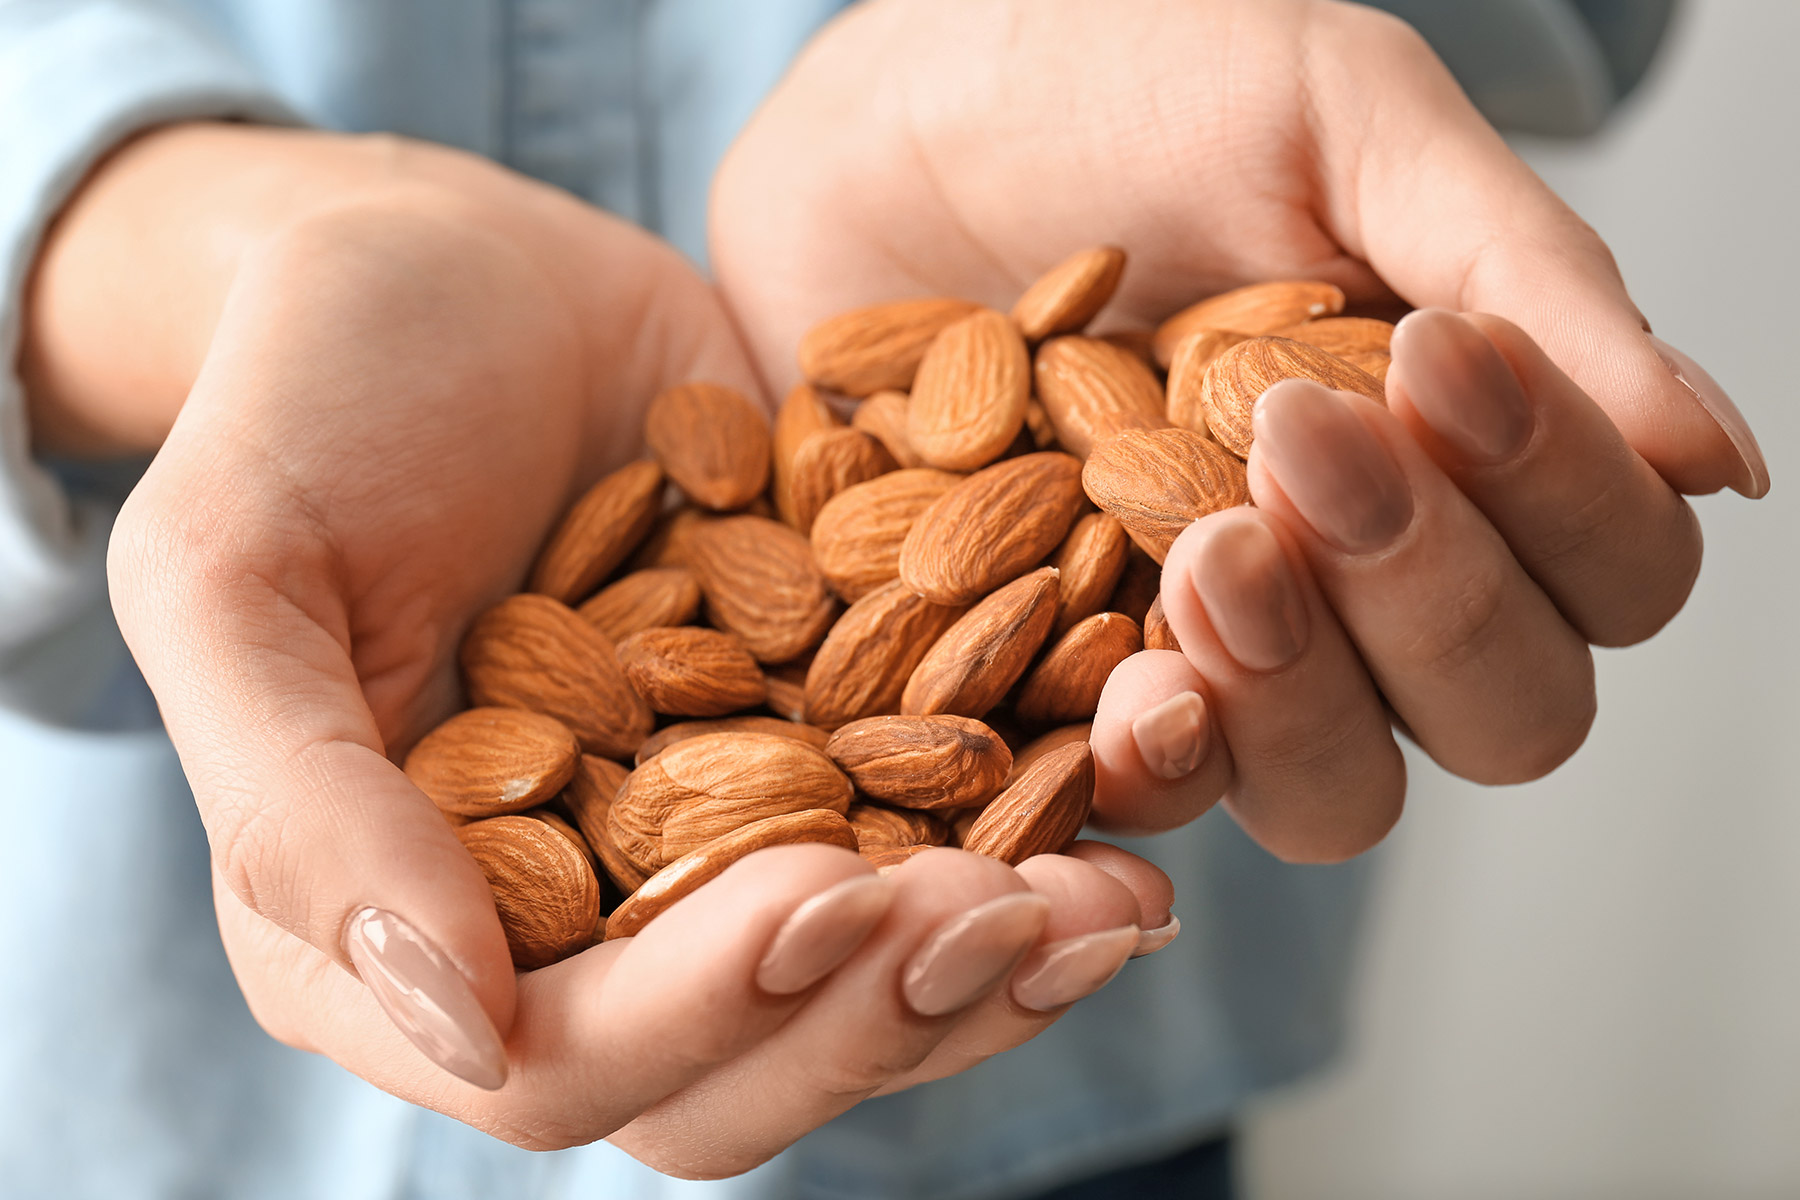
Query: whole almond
(883, 417)
(868, 349)
(685, 875)
(1138, 586)
(1260, 308)
(1158, 482)
(1193, 354)
(544, 890)
(713, 442)
(970, 668)
(647, 599)
(1040, 813)
(681, 731)
(602, 527)
(786, 684)
(671, 540)
(856, 537)
(1092, 390)
(1037, 424)
(1067, 296)
(801, 415)
(1066, 683)
(1035, 749)
(930, 762)
(878, 825)
(991, 527)
(1157, 633)
(556, 822)
(968, 401)
(688, 672)
(1239, 376)
(827, 463)
(888, 858)
(588, 799)
(1362, 342)
(760, 582)
(534, 653)
(863, 665)
(489, 761)
(1089, 563)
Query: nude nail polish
(426, 997)
(972, 953)
(1063, 972)
(1461, 386)
(1250, 595)
(1334, 469)
(1754, 482)
(1152, 940)
(1173, 736)
(822, 932)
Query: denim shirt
(131, 1065)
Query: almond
(937, 761)
(534, 653)
(604, 526)
(968, 402)
(681, 731)
(1035, 749)
(671, 540)
(1362, 342)
(589, 798)
(1067, 296)
(1139, 343)
(801, 415)
(490, 761)
(877, 825)
(713, 442)
(1037, 424)
(1239, 376)
(1193, 354)
(684, 876)
(1089, 562)
(1260, 308)
(970, 668)
(647, 599)
(786, 686)
(1138, 586)
(688, 672)
(868, 349)
(1066, 683)
(886, 859)
(760, 582)
(1158, 482)
(883, 417)
(991, 527)
(827, 463)
(856, 537)
(550, 818)
(1093, 390)
(1042, 812)
(545, 892)
(863, 665)
(1157, 633)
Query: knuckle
(1461, 627)
(858, 1072)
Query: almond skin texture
(760, 582)
(801, 415)
(862, 668)
(969, 669)
(1065, 685)
(968, 401)
(927, 762)
(647, 599)
(602, 527)
(787, 690)
(886, 859)
(1035, 749)
(1260, 308)
(991, 527)
(589, 798)
(684, 876)
(691, 672)
(490, 761)
(681, 731)
(827, 463)
(877, 825)
(1092, 390)
(1067, 296)
(671, 540)
(883, 417)
(1157, 633)
(1158, 482)
(547, 895)
(713, 442)
(1090, 562)
(1042, 812)
(1362, 342)
(869, 349)
(1193, 355)
(534, 653)
(707, 786)
(1238, 377)
(856, 537)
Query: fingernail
(1755, 481)
(822, 932)
(1340, 477)
(1172, 737)
(424, 994)
(1461, 385)
(1152, 940)
(1066, 971)
(973, 953)
(1250, 594)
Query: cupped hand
(1445, 561)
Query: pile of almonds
(886, 633)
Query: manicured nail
(1334, 469)
(1152, 940)
(1172, 737)
(972, 953)
(1754, 482)
(1461, 385)
(424, 994)
(822, 932)
(1250, 594)
(1063, 972)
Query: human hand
(1514, 504)
(376, 372)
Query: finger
(1160, 759)
(1591, 521)
(1470, 652)
(1154, 890)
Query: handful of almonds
(885, 633)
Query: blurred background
(1590, 986)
